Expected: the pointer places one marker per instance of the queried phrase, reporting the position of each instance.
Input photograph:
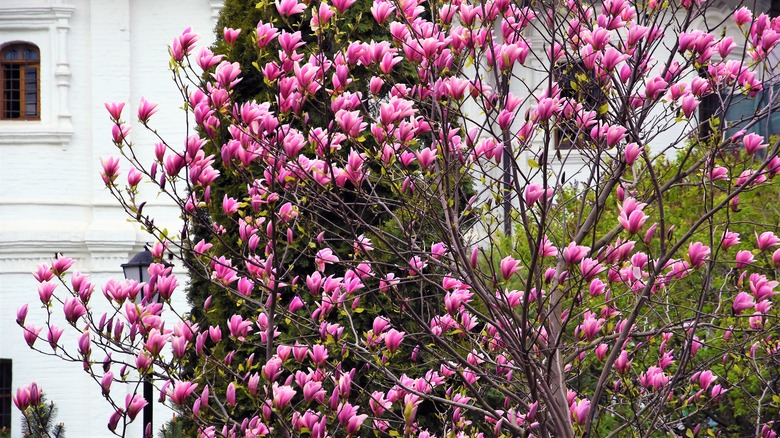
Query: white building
(61, 60)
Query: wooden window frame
(23, 65)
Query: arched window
(20, 65)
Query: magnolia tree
(532, 308)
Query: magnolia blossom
(356, 159)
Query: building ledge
(30, 134)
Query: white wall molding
(216, 6)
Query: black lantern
(138, 267)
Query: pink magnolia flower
(634, 221)
(729, 239)
(597, 287)
(591, 326)
(744, 258)
(183, 44)
(579, 411)
(350, 122)
(381, 10)
(535, 192)
(742, 301)
(110, 169)
(718, 173)
(767, 240)
(181, 391)
(226, 74)
(166, 284)
(591, 268)
(43, 273)
(145, 110)
(697, 253)
(743, 16)
(547, 249)
(73, 309)
(229, 206)
(654, 379)
(282, 395)
(288, 212)
(134, 403)
(321, 15)
(323, 257)
(22, 397)
(113, 421)
(342, 5)
(689, 105)
(289, 7)
(61, 264)
(230, 35)
(84, 344)
(272, 369)
(632, 153)
(134, 177)
(704, 379)
(601, 351)
(756, 322)
(716, 392)
(54, 336)
(238, 327)
(31, 334)
(725, 46)
(348, 416)
(547, 108)
(574, 253)
(119, 133)
(622, 364)
(509, 266)
(416, 264)
(753, 143)
(266, 33)
(655, 87)
(393, 339)
(761, 287)
(318, 354)
(106, 381)
(21, 314)
(230, 395)
(296, 304)
(156, 341)
(614, 134)
(115, 110)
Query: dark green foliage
(39, 421)
(174, 428)
(245, 14)
(733, 414)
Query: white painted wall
(51, 196)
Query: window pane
(30, 54)
(31, 108)
(30, 91)
(11, 54)
(11, 92)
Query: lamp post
(138, 269)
